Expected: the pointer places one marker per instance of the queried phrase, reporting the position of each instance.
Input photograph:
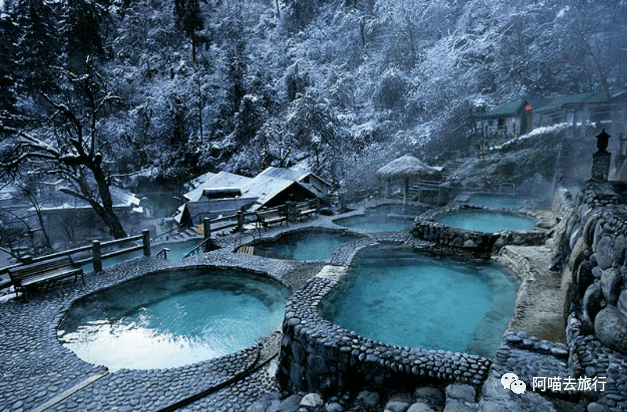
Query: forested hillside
(169, 89)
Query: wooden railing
(289, 212)
(97, 256)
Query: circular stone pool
(487, 221)
(406, 298)
(173, 318)
(303, 245)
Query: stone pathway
(540, 301)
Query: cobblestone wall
(597, 325)
(478, 243)
(318, 356)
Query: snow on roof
(7, 193)
(264, 188)
(200, 180)
(122, 197)
(290, 174)
(222, 179)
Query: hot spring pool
(173, 318)
(384, 218)
(406, 298)
(487, 221)
(496, 201)
(304, 245)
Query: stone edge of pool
(61, 369)
(317, 355)
(479, 243)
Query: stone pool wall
(318, 356)
(596, 243)
(477, 243)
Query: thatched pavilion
(406, 167)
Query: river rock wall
(477, 243)
(318, 356)
(595, 244)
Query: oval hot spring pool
(173, 318)
(487, 221)
(406, 298)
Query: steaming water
(497, 201)
(309, 245)
(405, 298)
(485, 221)
(162, 204)
(172, 319)
(384, 218)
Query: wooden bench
(32, 274)
(308, 212)
(265, 221)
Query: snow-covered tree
(8, 64)
(70, 145)
(189, 20)
(38, 47)
(83, 25)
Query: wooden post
(406, 191)
(240, 221)
(290, 211)
(206, 228)
(96, 256)
(317, 205)
(146, 241)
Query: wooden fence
(287, 213)
(96, 252)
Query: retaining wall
(477, 243)
(318, 356)
(596, 244)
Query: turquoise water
(172, 319)
(497, 201)
(374, 223)
(177, 249)
(405, 298)
(395, 208)
(378, 219)
(485, 221)
(305, 245)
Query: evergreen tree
(82, 25)
(8, 65)
(189, 20)
(37, 47)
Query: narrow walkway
(540, 300)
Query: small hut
(406, 167)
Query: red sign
(528, 107)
